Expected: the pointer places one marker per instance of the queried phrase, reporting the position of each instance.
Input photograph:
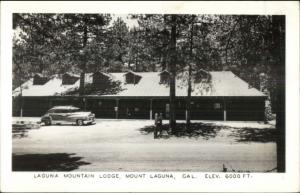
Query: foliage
(248, 45)
(109, 87)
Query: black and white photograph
(107, 92)
(122, 95)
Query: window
(68, 79)
(39, 79)
(167, 107)
(217, 105)
(74, 110)
(136, 109)
(51, 111)
(59, 111)
(100, 78)
(131, 78)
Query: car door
(58, 115)
(68, 115)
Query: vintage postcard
(150, 96)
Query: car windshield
(74, 110)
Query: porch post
(117, 109)
(49, 103)
(186, 114)
(21, 105)
(224, 108)
(150, 109)
(84, 103)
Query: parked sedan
(67, 114)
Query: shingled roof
(223, 83)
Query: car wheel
(47, 122)
(79, 122)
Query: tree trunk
(83, 65)
(163, 64)
(278, 24)
(188, 101)
(189, 91)
(278, 52)
(21, 101)
(165, 42)
(173, 60)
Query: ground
(128, 145)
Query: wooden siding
(237, 109)
(39, 80)
(68, 79)
(131, 78)
(99, 78)
(164, 77)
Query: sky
(130, 22)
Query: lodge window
(68, 79)
(179, 104)
(39, 79)
(217, 105)
(131, 78)
(99, 78)
(167, 107)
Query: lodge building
(139, 95)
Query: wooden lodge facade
(141, 95)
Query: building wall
(38, 80)
(207, 109)
(34, 106)
(232, 109)
(103, 108)
(134, 109)
(248, 109)
(68, 80)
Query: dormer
(164, 77)
(100, 77)
(69, 78)
(202, 76)
(132, 78)
(39, 79)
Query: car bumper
(92, 120)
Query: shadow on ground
(20, 129)
(46, 162)
(197, 130)
(209, 130)
(254, 135)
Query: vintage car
(67, 114)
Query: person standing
(156, 125)
(159, 123)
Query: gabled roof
(40, 75)
(223, 83)
(103, 73)
(163, 72)
(72, 74)
(131, 72)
